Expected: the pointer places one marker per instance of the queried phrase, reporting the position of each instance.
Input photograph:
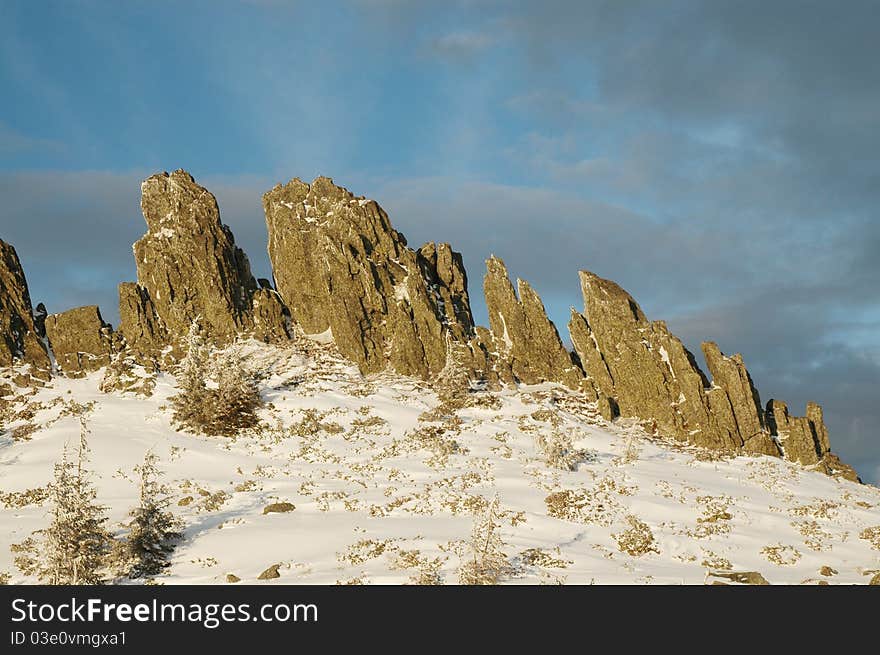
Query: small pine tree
(226, 406)
(489, 563)
(192, 375)
(152, 530)
(237, 395)
(73, 549)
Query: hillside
(386, 481)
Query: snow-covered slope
(385, 488)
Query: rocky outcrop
(645, 369)
(443, 271)
(638, 368)
(732, 387)
(343, 270)
(797, 435)
(80, 340)
(524, 339)
(19, 335)
(189, 266)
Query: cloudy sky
(717, 159)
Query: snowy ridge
(386, 486)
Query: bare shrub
(559, 452)
(488, 563)
(638, 539)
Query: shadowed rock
(343, 270)
(19, 335)
(139, 324)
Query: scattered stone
(827, 571)
(271, 573)
(232, 578)
(740, 577)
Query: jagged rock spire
(525, 340)
(343, 270)
(189, 266)
(648, 373)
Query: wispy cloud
(460, 45)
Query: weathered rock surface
(19, 335)
(138, 322)
(732, 380)
(523, 337)
(443, 271)
(647, 372)
(80, 340)
(646, 369)
(803, 439)
(341, 268)
(188, 266)
(271, 319)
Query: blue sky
(719, 160)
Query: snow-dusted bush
(559, 452)
(487, 563)
(219, 395)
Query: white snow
(505, 335)
(665, 357)
(368, 493)
(322, 337)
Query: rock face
(638, 368)
(80, 340)
(19, 335)
(271, 318)
(443, 271)
(733, 387)
(343, 270)
(139, 324)
(797, 435)
(645, 369)
(524, 339)
(188, 266)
